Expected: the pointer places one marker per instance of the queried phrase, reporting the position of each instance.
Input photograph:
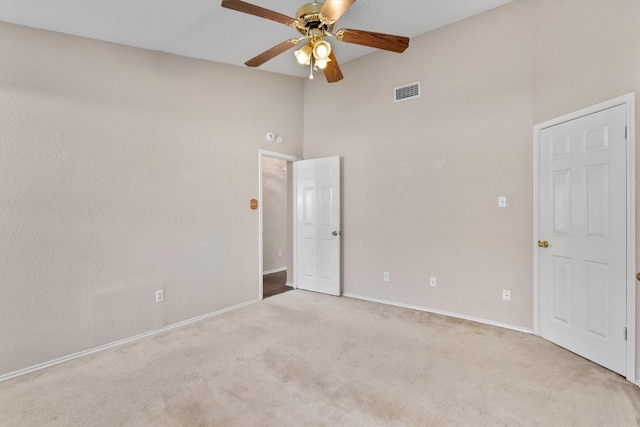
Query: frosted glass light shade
(303, 55)
(321, 50)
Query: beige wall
(422, 177)
(125, 171)
(585, 52)
(275, 207)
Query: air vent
(407, 92)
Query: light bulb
(300, 57)
(303, 55)
(321, 50)
(321, 63)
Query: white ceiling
(203, 29)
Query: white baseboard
(444, 313)
(275, 270)
(63, 359)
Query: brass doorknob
(543, 244)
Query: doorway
(584, 230)
(276, 223)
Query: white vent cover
(406, 92)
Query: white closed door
(583, 221)
(317, 264)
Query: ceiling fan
(315, 21)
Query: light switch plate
(502, 202)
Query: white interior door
(317, 264)
(583, 218)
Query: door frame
(629, 101)
(261, 155)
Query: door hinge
(624, 332)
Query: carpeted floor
(300, 359)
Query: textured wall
(585, 52)
(422, 177)
(275, 213)
(125, 171)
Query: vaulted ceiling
(203, 29)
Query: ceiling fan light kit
(316, 54)
(315, 21)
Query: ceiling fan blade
(251, 9)
(332, 72)
(333, 9)
(271, 53)
(378, 40)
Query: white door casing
(584, 185)
(317, 226)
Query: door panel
(318, 213)
(562, 202)
(308, 256)
(562, 289)
(598, 289)
(583, 217)
(308, 209)
(598, 201)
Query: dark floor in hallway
(274, 284)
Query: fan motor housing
(308, 16)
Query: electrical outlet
(279, 252)
(160, 296)
(385, 276)
(506, 295)
(432, 282)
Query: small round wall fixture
(270, 136)
(279, 139)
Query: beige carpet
(301, 359)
